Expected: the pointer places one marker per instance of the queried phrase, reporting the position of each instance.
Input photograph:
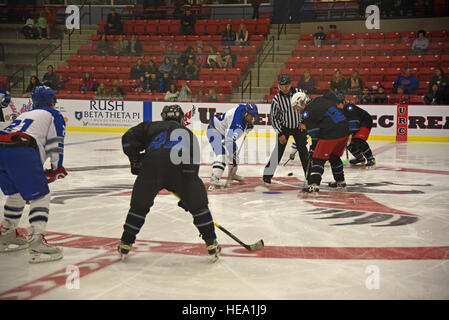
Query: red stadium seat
(392, 37)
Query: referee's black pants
(276, 156)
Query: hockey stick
(347, 155)
(289, 159)
(251, 247)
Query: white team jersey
(47, 127)
(230, 124)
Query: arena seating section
(154, 36)
(379, 58)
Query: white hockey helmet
(300, 98)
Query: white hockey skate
(215, 182)
(11, 241)
(238, 178)
(41, 251)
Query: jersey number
(26, 123)
(159, 141)
(335, 115)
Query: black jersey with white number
(324, 120)
(357, 117)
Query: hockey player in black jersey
(165, 155)
(329, 130)
(360, 124)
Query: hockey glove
(4, 104)
(136, 165)
(53, 175)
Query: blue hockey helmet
(251, 109)
(43, 96)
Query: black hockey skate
(370, 164)
(357, 161)
(340, 186)
(313, 188)
(124, 249)
(213, 249)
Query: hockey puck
(290, 174)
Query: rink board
(424, 123)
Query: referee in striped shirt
(286, 121)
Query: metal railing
(281, 28)
(43, 54)
(248, 85)
(262, 56)
(15, 79)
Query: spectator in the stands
(103, 45)
(380, 97)
(354, 84)
(441, 80)
(165, 82)
(333, 37)
(172, 94)
(141, 85)
(137, 71)
(400, 97)
(34, 82)
(50, 16)
(191, 70)
(365, 97)
(29, 30)
(306, 82)
(228, 36)
(116, 91)
(113, 23)
(151, 68)
(177, 71)
(88, 83)
(153, 83)
(228, 58)
(171, 52)
(434, 96)
(338, 83)
(212, 95)
(120, 47)
(189, 53)
(166, 66)
(134, 46)
(42, 25)
(187, 23)
(406, 80)
(214, 58)
(255, 4)
(201, 97)
(200, 57)
(319, 37)
(420, 44)
(242, 36)
(60, 83)
(185, 94)
(102, 92)
(50, 76)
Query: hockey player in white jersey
(5, 99)
(223, 132)
(24, 147)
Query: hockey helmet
(284, 79)
(300, 98)
(251, 109)
(173, 112)
(43, 96)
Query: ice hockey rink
(387, 237)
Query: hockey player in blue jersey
(24, 147)
(223, 132)
(5, 99)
